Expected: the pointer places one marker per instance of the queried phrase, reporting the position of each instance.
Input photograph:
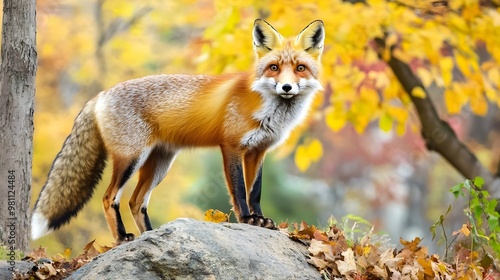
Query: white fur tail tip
(39, 226)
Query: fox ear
(311, 39)
(265, 37)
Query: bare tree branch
(118, 25)
(105, 34)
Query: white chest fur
(277, 119)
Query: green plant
(7, 254)
(483, 219)
(356, 228)
(444, 238)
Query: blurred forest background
(360, 152)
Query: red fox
(143, 123)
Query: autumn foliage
(337, 257)
(453, 47)
(61, 265)
(334, 252)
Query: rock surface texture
(190, 249)
(7, 268)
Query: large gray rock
(8, 267)
(190, 249)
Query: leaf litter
(331, 252)
(336, 257)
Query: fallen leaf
(216, 216)
(464, 230)
(348, 264)
(52, 271)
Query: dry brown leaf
(386, 256)
(426, 265)
(319, 235)
(367, 238)
(411, 245)
(41, 276)
(305, 231)
(38, 253)
(283, 225)
(50, 269)
(334, 231)
(409, 271)
(348, 264)
(465, 230)
(319, 262)
(103, 249)
(380, 272)
(317, 247)
(88, 246)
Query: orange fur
(202, 121)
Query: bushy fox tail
(73, 177)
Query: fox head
(287, 67)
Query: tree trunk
(17, 91)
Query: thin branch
(118, 25)
(498, 169)
(105, 34)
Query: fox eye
(274, 67)
(301, 68)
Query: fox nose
(287, 87)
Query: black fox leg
(111, 201)
(253, 178)
(150, 175)
(254, 201)
(233, 169)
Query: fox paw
(260, 221)
(126, 238)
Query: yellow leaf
(392, 90)
(360, 122)
(367, 250)
(463, 65)
(453, 104)
(478, 104)
(302, 160)
(369, 95)
(385, 122)
(124, 10)
(401, 55)
(67, 253)
(490, 92)
(397, 113)
(457, 22)
(425, 76)
(465, 230)
(400, 129)
(335, 119)
(216, 216)
(391, 40)
(315, 150)
(446, 65)
(494, 75)
(471, 11)
(418, 92)
(375, 2)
